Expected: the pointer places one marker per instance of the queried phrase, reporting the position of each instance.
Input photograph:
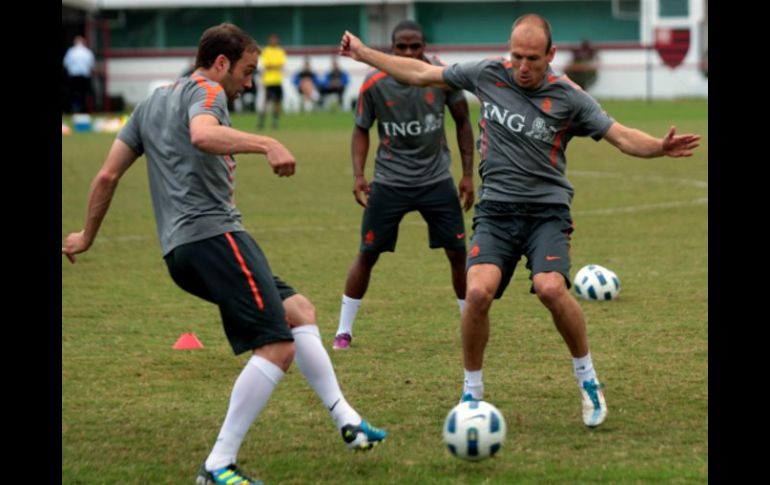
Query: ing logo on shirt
(516, 123)
(414, 127)
(429, 98)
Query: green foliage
(136, 411)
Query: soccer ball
(594, 282)
(474, 430)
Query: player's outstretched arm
(119, 159)
(208, 135)
(405, 69)
(640, 144)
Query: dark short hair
(406, 25)
(226, 39)
(543, 23)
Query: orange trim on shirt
(569, 81)
(368, 84)
(557, 144)
(249, 278)
(211, 91)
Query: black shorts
(231, 271)
(438, 204)
(503, 232)
(274, 93)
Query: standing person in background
(411, 171)
(79, 62)
(528, 115)
(184, 130)
(273, 60)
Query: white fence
(622, 74)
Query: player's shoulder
(374, 72)
(496, 62)
(373, 79)
(373, 76)
(198, 82)
(564, 82)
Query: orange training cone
(188, 341)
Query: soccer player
(184, 132)
(411, 171)
(528, 116)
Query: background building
(644, 48)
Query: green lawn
(136, 411)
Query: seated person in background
(307, 85)
(334, 82)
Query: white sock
(348, 312)
(474, 383)
(584, 368)
(461, 304)
(251, 391)
(314, 363)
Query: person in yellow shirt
(272, 60)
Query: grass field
(136, 411)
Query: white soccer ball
(597, 283)
(474, 430)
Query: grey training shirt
(192, 191)
(524, 133)
(410, 121)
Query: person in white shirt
(79, 62)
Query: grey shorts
(231, 271)
(504, 232)
(438, 204)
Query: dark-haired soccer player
(184, 132)
(411, 171)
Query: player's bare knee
(478, 298)
(550, 290)
(299, 310)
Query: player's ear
(222, 62)
(551, 53)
